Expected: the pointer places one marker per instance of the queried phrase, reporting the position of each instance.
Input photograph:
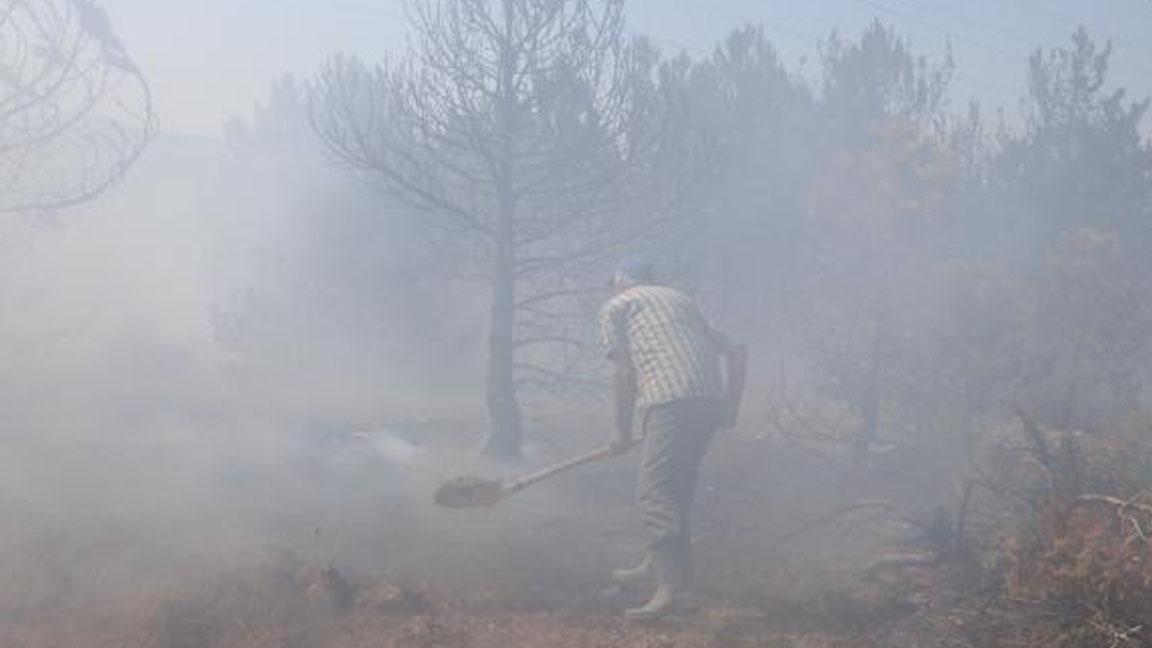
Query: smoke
(229, 360)
(245, 355)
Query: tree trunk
(870, 408)
(503, 404)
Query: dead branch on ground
(834, 515)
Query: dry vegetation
(878, 555)
(946, 445)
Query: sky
(212, 59)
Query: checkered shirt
(672, 347)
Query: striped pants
(676, 436)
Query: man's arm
(736, 362)
(625, 388)
(736, 366)
(615, 345)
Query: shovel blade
(470, 492)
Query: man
(667, 362)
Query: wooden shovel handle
(589, 457)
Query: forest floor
(792, 553)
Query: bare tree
(75, 111)
(535, 128)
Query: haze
(227, 51)
(301, 301)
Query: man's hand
(736, 358)
(621, 444)
(729, 412)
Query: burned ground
(796, 548)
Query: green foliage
(1081, 160)
(920, 271)
(877, 79)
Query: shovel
(471, 491)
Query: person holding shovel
(667, 361)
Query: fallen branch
(893, 562)
(836, 514)
(1121, 504)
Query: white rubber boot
(670, 569)
(639, 574)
